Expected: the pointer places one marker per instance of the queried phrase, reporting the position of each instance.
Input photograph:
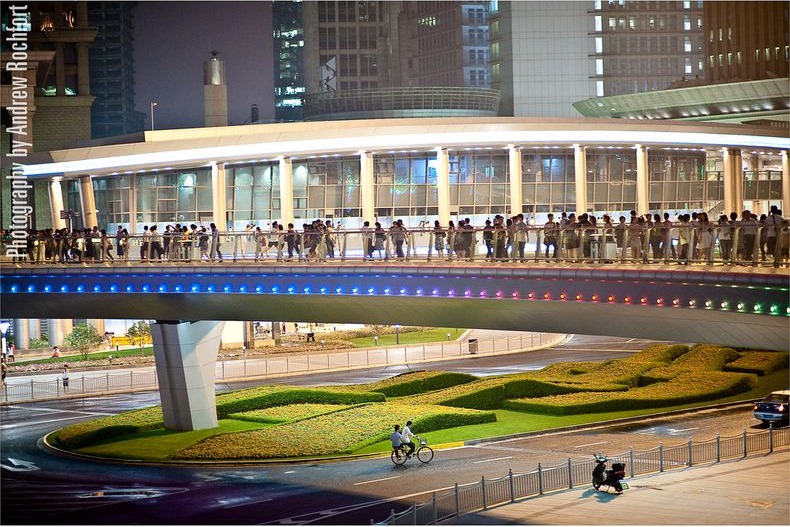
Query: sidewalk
(750, 491)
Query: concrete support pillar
(443, 185)
(58, 329)
(89, 218)
(21, 333)
(286, 190)
(56, 204)
(785, 183)
(186, 358)
(367, 190)
(133, 204)
(34, 328)
(97, 323)
(218, 189)
(642, 200)
(83, 77)
(733, 181)
(580, 164)
(516, 201)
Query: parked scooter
(611, 478)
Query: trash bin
(472, 346)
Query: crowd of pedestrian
(690, 236)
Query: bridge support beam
(186, 358)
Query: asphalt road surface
(40, 488)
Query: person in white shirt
(406, 436)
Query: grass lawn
(96, 355)
(415, 337)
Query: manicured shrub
(288, 413)
(686, 388)
(417, 382)
(318, 436)
(268, 396)
(759, 362)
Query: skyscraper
(288, 46)
(112, 70)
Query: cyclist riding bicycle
(406, 436)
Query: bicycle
(423, 452)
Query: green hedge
(418, 382)
(759, 362)
(268, 396)
(98, 430)
(288, 413)
(686, 388)
(331, 434)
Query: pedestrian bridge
(734, 306)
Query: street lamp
(397, 334)
(152, 116)
(376, 340)
(448, 336)
(3, 328)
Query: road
(41, 488)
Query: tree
(139, 333)
(84, 337)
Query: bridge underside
(729, 308)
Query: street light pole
(397, 334)
(152, 115)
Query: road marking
(375, 480)
(246, 503)
(46, 421)
(591, 444)
(290, 472)
(678, 430)
(494, 459)
(19, 465)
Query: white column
(642, 201)
(89, 219)
(186, 359)
(97, 323)
(733, 181)
(367, 193)
(56, 204)
(443, 185)
(58, 329)
(21, 333)
(785, 183)
(218, 189)
(580, 163)
(286, 191)
(516, 201)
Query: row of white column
(57, 328)
(733, 186)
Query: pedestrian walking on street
(65, 377)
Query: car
(774, 408)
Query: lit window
(687, 44)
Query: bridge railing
(278, 366)
(481, 495)
(626, 244)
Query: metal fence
(283, 365)
(485, 493)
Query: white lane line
(290, 472)
(34, 423)
(375, 480)
(494, 459)
(591, 444)
(678, 430)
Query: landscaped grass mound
(105, 428)
(301, 422)
(321, 435)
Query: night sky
(172, 39)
